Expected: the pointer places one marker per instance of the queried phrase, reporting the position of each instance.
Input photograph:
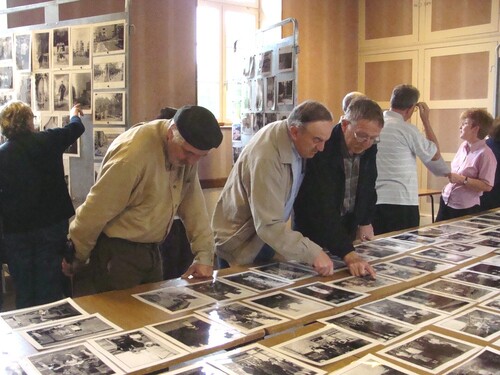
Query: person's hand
(197, 271)
(456, 178)
(71, 268)
(358, 266)
(76, 111)
(323, 264)
(365, 233)
(424, 110)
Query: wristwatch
(466, 180)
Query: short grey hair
(309, 111)
(404, 96)
(363, 108)
(350, 97)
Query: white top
(400, 144)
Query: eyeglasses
(364, 138)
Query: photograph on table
(436, 302)
(487, 361)
(483, 220)
(5, 47)
(369, 326)
(199, 368)
(60, 92)
(401, 312)
(194, 332)
(256, 281)
(476, 322)
(69, 332)
(287, 304)
(454, 228)
(80, 47)
(445, 256)
(174, 299)
(220, 290)
(22, 47)
(430, 351)
(449, 287)
(398, 272)
(42, 314)
(333, 295)
(81, 90)
(137, 349)
(109, 108)
(464, 249)
(258, 359)
(363, 284)
(103, 137)
(416, 240)
(371, 253)
(286, 270)
(494, 233)
(243, 317)
(486, 268)
(471, 225)
(109, 72)
(60, 48)
(372, 365)
(475, 278)
(77, 359)
(422, 264)
(392, 244)
(108, 38)
(493, 304)
(493, 243)
(432, 232)
(325, 345)
(42, 92)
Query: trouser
(392, 217)
(116, 263)
(34, 260)
(446, 212)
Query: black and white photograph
(60, 48)
(363, 284)
(109, 72)
(81, 359)
(286, 270)
(48, 121)
(42, 314)
(369, 326)
(5, 47)
(194, 332)
(488, 242)
(11, 368)
(398, 272)
(483, 220)
(445, 256)
(328, 293)
(285, 59)
(407, 236)
(372, 253)
(41, 50)
(476, 322)
(458, 289)
(422, 264)
(109, 108)
(432, 232)
(258, 94)
(6, 97)
(461, 237)
(220, 290)
(243, 317)
(494, 304)
(490, 233)
(22, 86)
(256, 281)
(401, 312)
(22, 44)
(475, 278)
(487, 269)
(472, 225)
(430, 351)
(173, 299)
(108, 38)
(390, 243)
(200, 368)
(61, 92)
(6, 78)
(432, 301)
(42, 92)
(266, 63)
(372, 365)
(80, 47)
(81, 90)
(103, 137)
(69, 332)
(137, 349)
(271, 94)
(325, 346)
(485, 362)
(285, 92)
(465, 249)
(454, 228)
(258, 359)
(289, 305)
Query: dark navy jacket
(317, 208)
(33, 191)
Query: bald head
(349, 97)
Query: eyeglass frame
(361, 139)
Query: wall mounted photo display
(109, 108)
(81, 55)
(258, 91)
(241, 316)
(6, 78)
(194, 333)
(109, 72)
(22, 48)
(372, 365)
(479, 323)
(22, 87)
(69, 331)
(174, 300)
(108, 38)
(450, 287)
(42, 91)
(475, 278)
(41, 50)
(270, 117)
(325, 345)
(329, 294)
(487, 361)
(270, 103)
(60, 48)
(266, 63)
(439, 303)
(103, 137)
(289, 305)
(285, 92)
(81, 90)
(286, 270)
(430, 351)
(201, 368)
(79, 358)
(6, 96)
(285, 58)
(256, 358)
(6, 48)
(398, 272)
(370, 326)
(422, 264)
(41, 315)
(256, 281)
(61, 92)
(220, 290)
(443, 255)
(137, 349)
(363, 284)
(464, 248)
(49, 121)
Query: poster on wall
(22, 87)
(41, 50)
(61, 92)
(109, 72)
(42, 92)
(109, 108)
(81, 90)
(23, 51)
(60, 48)
(80, 47)
(5, 48)
(108, 38)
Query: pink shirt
(478, 163)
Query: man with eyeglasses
(336, 201)
(397, 182)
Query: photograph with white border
(109, 72)
(199, 368)
(108, 38)
(286, 270)
(439, 303)
(479, 323)
(80, 47)
(422, 264)
(173, 299)
(363, 284)
(445, 256)
(457, 289)
(109, 108)
(220, 290)
(372, 365)
(487, 361)
(256, 281)
(103, 137)
(465, 249)
(398, 272)
(475, 278)
(327, 293)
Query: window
(219, 25)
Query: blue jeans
(34, 260)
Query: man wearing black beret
(149, 175)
